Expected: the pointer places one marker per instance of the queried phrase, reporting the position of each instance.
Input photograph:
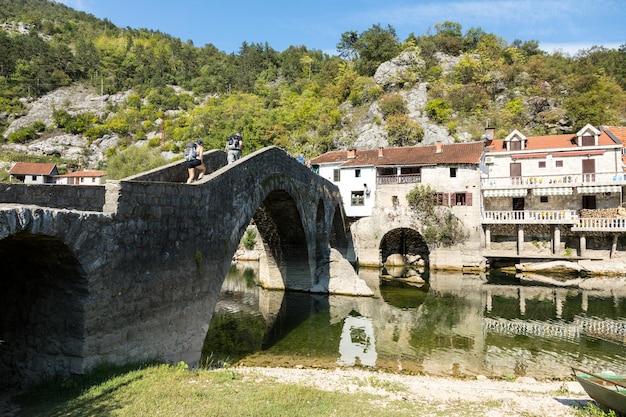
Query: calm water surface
(456, 325)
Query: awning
(593, 189)
(553, 191)
(509, 192)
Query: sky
(558, 25)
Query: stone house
(82, 178)
(33, 173)
(374, 184)
(557, 191)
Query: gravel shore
(481, 396)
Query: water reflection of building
(458, 325)
(357, 345)
(570, 323)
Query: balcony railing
(531, 216)
(555, 180)
(600, 224)
(399, 179)
(568, 217)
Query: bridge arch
(407, 242)
(42, 293)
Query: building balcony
(593, 224)
(530, 217)
(554, 181)
(398, 179)
(564, 217)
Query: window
(454, 199)
(588, 141)
(515, 145)
(357, 173)
(558, 164)
(452, 172)
(543, 199)
(542, 164)
(336, 175)
(357, 198)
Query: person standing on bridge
(234, 145)
(193, 156)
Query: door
(589, 202)
(589, 170)
(515, 169)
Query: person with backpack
(234, 144)
(193, 156)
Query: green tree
(375, 46)
(598, 102)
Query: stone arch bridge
(132, 270)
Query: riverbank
(448, 396)
(259, 391)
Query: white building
(33, 172)
(82, 178)
(551, 180)
(374, 185)
(381, 178)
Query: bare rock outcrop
(75, 99)
(343, 278)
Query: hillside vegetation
(302, 100)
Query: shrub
(392, 104)
(403, 131)
(249, 239)
(22, 135)
(438, 110)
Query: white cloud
(572, 49)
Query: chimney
(351, 153)
(380, 152)
(490, 133)
(438, 148)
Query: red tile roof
(32, 168)
(84, 174)
(618, 131)
(455, 153)
(549, 142)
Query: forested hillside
(299, 99)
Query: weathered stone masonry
(138, 277)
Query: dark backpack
(190, 152)
(233, 142)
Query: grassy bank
(157, 389)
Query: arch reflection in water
(455, 325)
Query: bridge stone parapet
(177, 172)
(74, 197)
(139, 278)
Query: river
(456, 325)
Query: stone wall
(177, 171)
(71, 197)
